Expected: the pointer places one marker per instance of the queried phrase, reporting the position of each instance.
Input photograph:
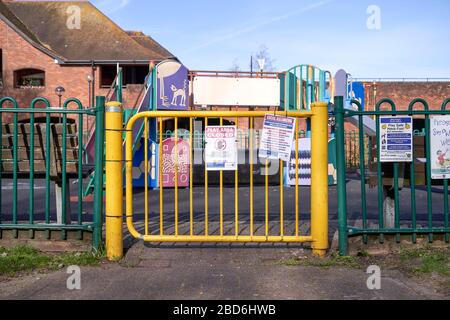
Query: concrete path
(221, 273)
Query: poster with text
(277, 138)
(221, 148)
(440, 147)
(396, 139)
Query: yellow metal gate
(156, 216)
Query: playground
(224, 157)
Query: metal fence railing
(41, 153)
(419, 203)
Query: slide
(368, 123)
(138, 130)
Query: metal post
(341, 167)
(319, 178)
(119, 85)
(98, 180)
(114, 181)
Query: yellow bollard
(114, 181)
(319, 178)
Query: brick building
(404, 91)
(46, 44)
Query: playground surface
(354, 207)
(228, 272)
(219, 274)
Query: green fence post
(341, 175)
(99, 160)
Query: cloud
(259, 25)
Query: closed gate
(248, 205)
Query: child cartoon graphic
(442, 159)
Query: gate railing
(51, 150)
(155, 212)
(374, 223)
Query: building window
(27, 78)
(131, 75)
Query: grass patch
(424, 261)
(427, 261)
(22, 259)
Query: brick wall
(404, 92)
(19, 54)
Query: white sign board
(396, 139)
(221, 148)
(440, 147)
(277, 137)
(226, 91)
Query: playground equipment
(170, 86)
(344, 87)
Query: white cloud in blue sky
(204, 34)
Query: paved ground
(221, 272)
(214, 273)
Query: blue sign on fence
(396, 139)
(172, 86)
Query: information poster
(396, 139)
(440, 147)
(277, 138)
(221, 148)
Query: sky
(396, 38)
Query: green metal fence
(45, 143)
(406, 222)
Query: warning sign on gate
(396, 139)
(277, 138)
(221, 148)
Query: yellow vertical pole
(296, 181)
(114, 181)
(161, 181)
(319, 178)
(236, 192)
(221, 194)
(176, 177)
(267, 197)
(251, 178)
(281, 198)
(206, 193)
(146, 171)
(191, 179)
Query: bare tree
(263, 53)
(235, 67)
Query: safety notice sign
(221, 148)
(396, 139)
(277, 137)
